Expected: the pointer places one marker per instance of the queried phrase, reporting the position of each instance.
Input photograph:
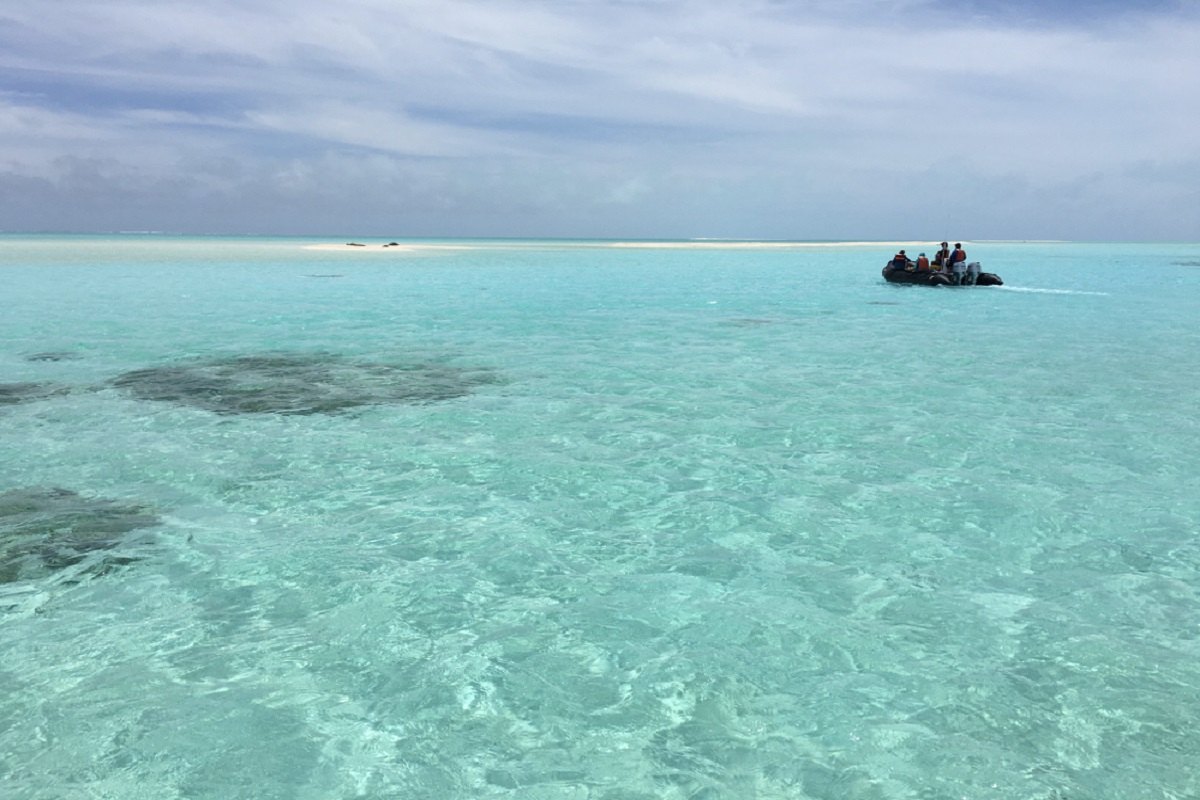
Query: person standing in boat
(941, 259)
(958, 262)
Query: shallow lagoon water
(717, 523)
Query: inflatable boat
(972, 277)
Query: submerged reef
(292, 383)
(44, 530)
(52, 355)
(13, 393)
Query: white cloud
(743, 97)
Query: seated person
(922, 263)
(901, 261)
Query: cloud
(693, 114)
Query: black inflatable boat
(929, 278)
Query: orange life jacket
(922, 262)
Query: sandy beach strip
(693, 244)
(392, 246)
(740, 245)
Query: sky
(744, 119)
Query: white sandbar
(713, 244)
(403, 248)
(738, 245)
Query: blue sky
(846, 119)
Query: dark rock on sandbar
(296, 383)
(44, 530)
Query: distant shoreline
(692, 244)
(396, 246)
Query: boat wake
(1032, 290)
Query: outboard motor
(973, 271)
(959, 268)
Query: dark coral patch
(299, 383)
(13, 393)
(52, 355)
(44, 530)
(748, 322)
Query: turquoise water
(649, 523)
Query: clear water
(722, 523)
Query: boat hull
(892, 275)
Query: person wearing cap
(901, 261)
(922, 263)
(958, 262)
(941, 258)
